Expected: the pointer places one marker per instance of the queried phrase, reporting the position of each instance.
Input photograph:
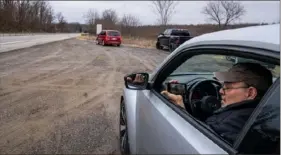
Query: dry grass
(86, 37)
(139, 42)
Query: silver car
(151, 124)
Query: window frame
(176, 60)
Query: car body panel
(164, 38)
(158, 126)
(130, 96)
(265, 34)
(101, 37)
(113, 42)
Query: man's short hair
(253, 74)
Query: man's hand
(138, 79)
(176, 99)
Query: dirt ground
(63, 97)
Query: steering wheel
(191, 104)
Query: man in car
(243, 86)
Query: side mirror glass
(137, 81)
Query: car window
(102, 33)
(180, 33)
(113, 33)
(209, 63)
(167, 32)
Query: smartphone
(178, 89)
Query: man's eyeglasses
(228, 88)
(234, 88)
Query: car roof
(266, 36)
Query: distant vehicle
(172, 38)
(238, 59)
(109, 37)
(151, 124)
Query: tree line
(32, 16)
(39, 16)
(222, 13)
(109, 20)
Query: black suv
(172, 38)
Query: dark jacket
(228, 121)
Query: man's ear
(252, 93)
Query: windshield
(113, 33)
(210, 63)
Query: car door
(161, 37)
(166, 37)
(162, 129)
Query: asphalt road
(63, 97)
(8, 43)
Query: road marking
(12, 42)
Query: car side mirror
(136, 81)
(161, 33)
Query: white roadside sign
(99, 28)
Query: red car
(109, 37)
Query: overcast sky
(187, 12)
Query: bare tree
(164, 9)
(91, 18)
(128, 23)
(214, 12)
(233, 11)
(26, 16)
(60, 17)
(223, 12)
(21, 14)
(130, 20)
(8, 15)
(110, 17)
(49, 20)
(61, 22)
